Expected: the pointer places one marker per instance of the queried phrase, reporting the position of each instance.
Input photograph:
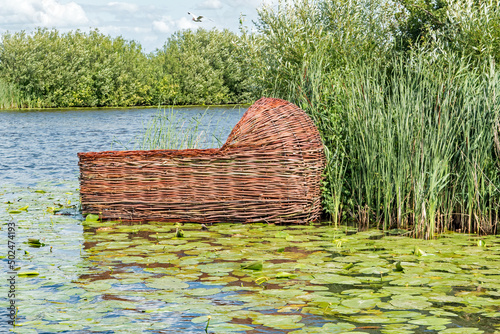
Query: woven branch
(269, 170)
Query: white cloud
(147, 21)
(210, 4)
(47, 13)
(247, 3)
(164, 25)
(168, 25)
(123, 6)
(185, 23)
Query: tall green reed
(313, 91)
(410, 142)
(420, 142)
(9, 96)
(168, 130)
(171, 129)
(412, 138)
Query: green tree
(203, 66)
(470, 28)
(74, 69)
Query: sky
(149, 22)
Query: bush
(204, 67)
(50, 69)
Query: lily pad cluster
(112, 276)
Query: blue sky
(150, 22)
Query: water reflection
(148, 274)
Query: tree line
(47, 68)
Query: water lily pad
(461, 330)
(403, 314)
(257, 265)
(443, 298)
(411, 281)
(334, 279)
(97, 286)
(410, 303)
(442, 313)
(27, 273)
(360, 303)
(375, 319)
(92, 218)
(398, 329)
(374, 270)
(202, 292)
(430, 321)
(228, 328)
(330, 327)
(166, 283)
(35, 242)
(283, 274)
(279, 321)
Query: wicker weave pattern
(269, 170)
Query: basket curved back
(274, 125)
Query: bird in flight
(198, 18)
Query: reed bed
(171, 129)
(421, 144)
(418, 144)
(168, 130)
(410, 122)
(9, 97)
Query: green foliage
(168, 130)
(203, 67)
(417, 19)
(296, 34)
(469, 28)
(9, 96)
(404, 93)
(421, 145)
(50, 69)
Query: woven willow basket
(269, 170)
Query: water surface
(42, 145)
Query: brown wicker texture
(269, 170)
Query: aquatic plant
(116, 276)
(170, 129)
(9, 96)
(411, 136)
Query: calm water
(42, 145)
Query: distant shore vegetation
(47, 69)
(405, 93)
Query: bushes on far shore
(47, 68)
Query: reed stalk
(170, 129)
(421, 145)
(410, 143)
